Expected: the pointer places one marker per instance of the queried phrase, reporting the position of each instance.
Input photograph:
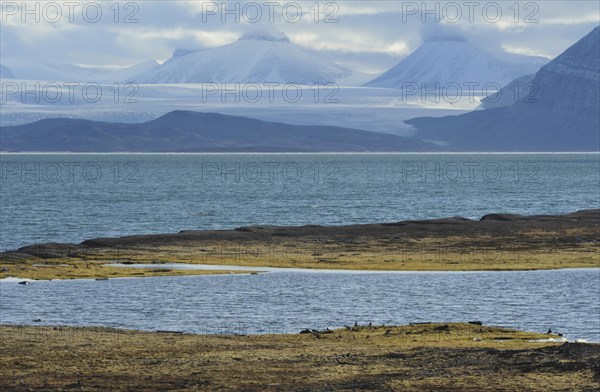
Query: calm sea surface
(72, 197)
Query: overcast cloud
(368, 36)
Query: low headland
(496, 242)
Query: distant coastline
(309, 153)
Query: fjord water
(72, 197)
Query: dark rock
(501, 217)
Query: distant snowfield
(374, 109)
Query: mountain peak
(262, 35)
(445, 59)
(560, 114)
(257, 57)
(445, 38)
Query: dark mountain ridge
(187, 131)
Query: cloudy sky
(368, 36)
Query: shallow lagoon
(287, 301)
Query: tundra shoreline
(496, 242)
(422, 357)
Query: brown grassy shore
(495, 242)
(449, 357)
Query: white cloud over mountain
(369, 36)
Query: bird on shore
(549, 331)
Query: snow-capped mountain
(6, 73)
(257, 57)
(562, 114)
(60, 72)
(441, 61)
